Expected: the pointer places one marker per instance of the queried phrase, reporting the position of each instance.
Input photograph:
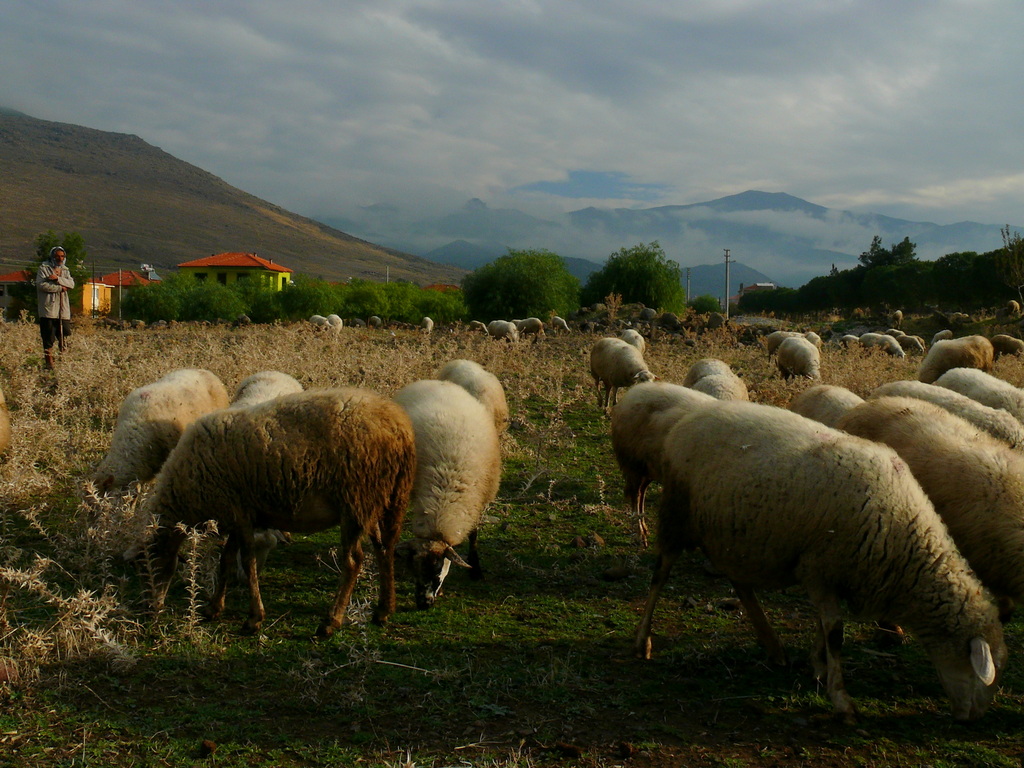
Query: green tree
(307, 296)
(639, 274)
(705, 304)
(1010, 261)
(156, 301)
(903, 252)
(523, 283)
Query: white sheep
(614, 364)
(997, 422)
(476, 325)
(335, 322)
(458, 471)
(714, 377)
(897, 318)
(263, 386)
(965, 352)
(640, 422)
(531, 326)
(847, 340)
(825, 403)
(503, 329)
(319, 321)
(775, 338)
(796, 356)
(911, 343)
(986, 389)
(481, 384)
(745, 483)
(631, 336)
(1004, 344)
(427, 324)
(942, 335)
(304, 462)
(559, 324)
(150, 421)
(373, 321)
(975, 481)
(884, 342)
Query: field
(531, 667)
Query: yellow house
(228, 268)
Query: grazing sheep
(744, 482)
(304, 462)
(427, 324)
(503, 329)
(263, 386)
(849, 339)
(319, 321)
(940, 335)
(559, 324)
(531, 326)
(1004, 344)
(882, 341)
(995, 421)
(150, 421)
(476, 325)
(775, 338)
(481, 384)
(911, 343)
(825, 403)
(5, 424)
(614, 363)
(1013, 307)
(633, 337)
(796, 356)
(335, 322)
(458, 470)
(373, 321)
(975, 481)
(965, 352)
(897, 318)
(714, 377)
(640, 422)
(986, 389)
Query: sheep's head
(429, 560)
(641, 376)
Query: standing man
(53, 281)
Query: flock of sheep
(906, 507)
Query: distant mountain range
(780, 237)
(134, 203)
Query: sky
(898, 107)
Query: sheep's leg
(228, 555)
(475, 571)
(162, 558)
(765, 634)
(829, 644)
(351, 562)
(384, 539)
(256, 612)
(638, 497)
(662, 569)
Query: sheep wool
(995, 421)
(304, 462)
(151, 420)
(632, 336)
(640, 422)
(613, 364)
(882, 341)
(940, 335)
(775, 338)
(796, 356)
(264, 386)
(503, 329)
(965, 352)
(481, 384)
(744, 482)
(975, 481)
(1004, 344)
(986, 389)
(825, 403)
(708, 366)
(458, 470)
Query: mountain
(470, 256)
(776, 234)
(134, 203)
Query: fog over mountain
(775, 234)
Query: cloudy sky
(907, 108)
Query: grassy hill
(134, 203)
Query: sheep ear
(453, 556)
(981, 660)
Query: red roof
(21, 276)
(125, 279)
(236, 260)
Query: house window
(2, 287)
(200, 275)
(222, 278)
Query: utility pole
(687, 285)
(727, 263)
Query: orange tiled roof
(21, 276)
(236, 260)
(125, 279)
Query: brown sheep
(965, 352)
